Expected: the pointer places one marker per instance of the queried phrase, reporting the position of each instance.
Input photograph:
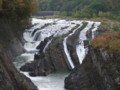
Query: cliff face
(99, 71)
(10, 47)
(11, 37)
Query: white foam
(80, 49)
(96, 25)
(65, 45)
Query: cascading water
(65, 45)
(96, 25)
(56, 28)
(80, 49)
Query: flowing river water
(52, 27)
(54, 81)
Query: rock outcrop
(10, 78)
(97, 72)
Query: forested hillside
(83, 8)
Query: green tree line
(83, 8)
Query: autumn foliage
(109, 41)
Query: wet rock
(117, 80)
(41, 46)
(78, 80)
(36, 56)
(39, 67)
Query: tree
(115, 5)
(17, 8)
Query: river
(54, 81)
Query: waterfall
(47, 28)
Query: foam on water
(80, 49)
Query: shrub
(64, 13)
(116, 28)
(105, 14)
(109, 41)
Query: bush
(109, 41)
(64, 13)
(116, 28)
(76, 14)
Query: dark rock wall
(97, 72)
(11, 37)
(10, 47)
(10, 78)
